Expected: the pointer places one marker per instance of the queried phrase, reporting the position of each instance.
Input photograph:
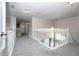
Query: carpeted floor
(26, 46)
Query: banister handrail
(53, 34)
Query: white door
(2, 28)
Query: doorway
(23, 27)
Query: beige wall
(72, 24)
(40, 23)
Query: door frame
(4, 17)
(3, 31)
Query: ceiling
(44, 10)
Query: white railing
(52, 38)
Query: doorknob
(3, 34)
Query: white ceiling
(45, 10)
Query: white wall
(38, 23)
(72, 23)
(8, 16)
(8, 12)
(11, 22)
(11, 33)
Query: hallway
(25, 46)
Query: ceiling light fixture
(71, 2)
(28, 11)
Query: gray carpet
(26, 46)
